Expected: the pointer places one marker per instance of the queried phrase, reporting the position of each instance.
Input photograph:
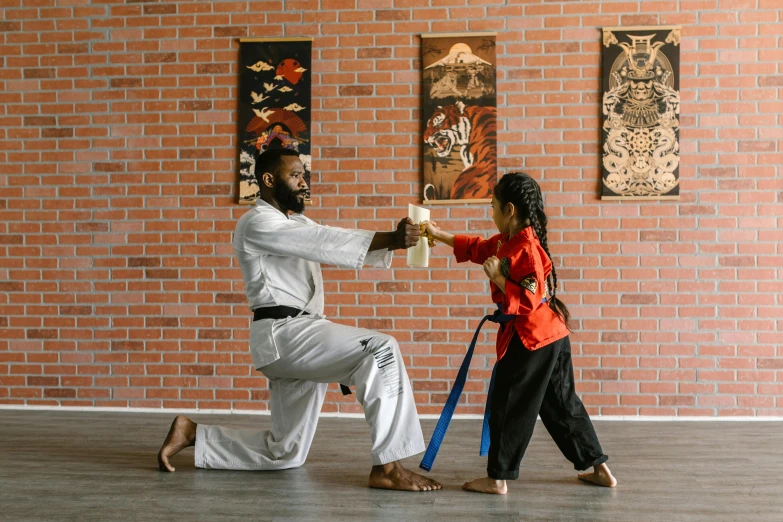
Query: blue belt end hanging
(484, 450)
(451, 403)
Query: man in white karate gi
(299, 350)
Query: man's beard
(289, 199)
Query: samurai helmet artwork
(641, 56)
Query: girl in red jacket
(534, 375)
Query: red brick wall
(118, 285)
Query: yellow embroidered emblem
(530, 283)
(505, 267)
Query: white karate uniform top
(280, 259)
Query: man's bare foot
(181, 435)
(486, 485)
(394, 476)
(600, 475)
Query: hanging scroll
(274, 103)
(641, 109)
(460, 118)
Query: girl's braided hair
(523, 191)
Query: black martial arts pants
(530, 383)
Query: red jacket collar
(525, 235)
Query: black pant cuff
(496, 474)
(589, 464)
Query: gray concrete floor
(76, 466)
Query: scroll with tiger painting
(274, 104)
(460, 118)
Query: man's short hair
(270, 161)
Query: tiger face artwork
(447, 128)
(474, 130)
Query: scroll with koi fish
(274, 103)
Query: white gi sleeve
(303, 238)
(379, 258)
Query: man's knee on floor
(293, 456)
(297, 461)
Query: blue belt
(456, 391)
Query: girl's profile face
(501, 221)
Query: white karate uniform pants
(314, 352)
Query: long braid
(556, 304)
(522, 190)
(539, 221)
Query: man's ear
(269, 179)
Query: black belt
(281, 312)
(277, 312)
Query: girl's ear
(511, 209)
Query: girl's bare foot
(600, 475)
(181, 435)
(394, 476)
(486, 485)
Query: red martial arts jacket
(526, 287)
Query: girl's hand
(430, 230)
(492, 269)
(433, 233)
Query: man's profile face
(290, 186)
